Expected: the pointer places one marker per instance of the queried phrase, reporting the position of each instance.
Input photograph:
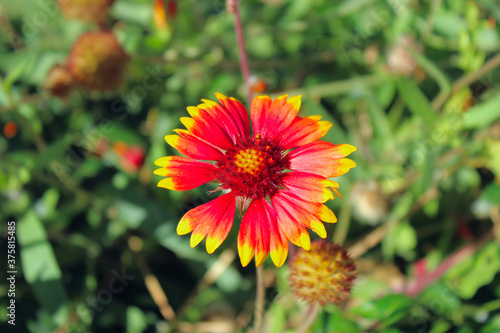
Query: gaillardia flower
(276, 174)
(325, 274)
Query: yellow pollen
(249, 161)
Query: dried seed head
(324, 274)
(86, 10)
(399, 58)
(59, 81)
(370, 204)
(97, 61)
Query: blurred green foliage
(402, 80)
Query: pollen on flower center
(249, 161)
(253, 168)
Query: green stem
(259, 300)
(434, 72)
(466, 80)
(310, 318)
(337, 87)
(490, 306)
(344, 223)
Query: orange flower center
(253, 169)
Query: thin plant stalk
(259, 300)
(232, 7)
(312, 313)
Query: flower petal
(232, 116)
(238, 112)
(322, 158)
(294, 210)
(219, 233)
(309, 186)
(303, 131)
(214, 218)
(185, 173)
(259, 234)
(204, 126)
(192, 146)
(258, 112)
(270, 118)
(293, 229)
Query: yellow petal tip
(305, 241)
(166, 183)
(161, 172)
(196, 238)
(279, 257)
(212, 244)
(184, 227)
(172, 139)
(246, 254)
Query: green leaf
(493, 158)
(402, 206)
(15, 74)
(434, 71)
(136, 320)
(440, 326)
(493, 326)
(482, 115)
(441, 299)
(379, 121)
(387, 310)
(465, 275)
(428, 169)
(297, 10)
(133, 12)
(491, 194)
(392, 308)
(401, 240)
(338, 323)
(56, 152)
(49, 202)
(367, 310)
(40, 267)
(278, 313)
(416, 101)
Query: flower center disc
(253, 169)
(249, 161)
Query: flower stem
(152, 284)
(232, 7)
(336, 88)
(312, 313)
(466, 80)
(259, 300)
(344, 222)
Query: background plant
(412, 84)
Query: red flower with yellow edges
(277, 174)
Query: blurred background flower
(97, 61)
(86, 10)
